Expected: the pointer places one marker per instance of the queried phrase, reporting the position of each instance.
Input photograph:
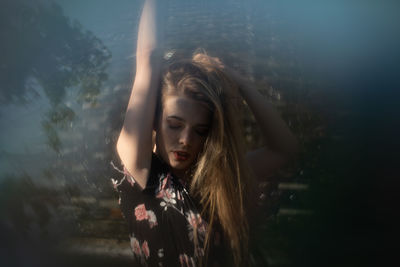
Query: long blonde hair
(220, 178)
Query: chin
(178, 165)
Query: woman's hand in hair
(208, 61)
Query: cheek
(168, 135)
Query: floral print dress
(164, 221)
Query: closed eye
(174, 127)
(173, 123)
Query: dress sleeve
(130, 193)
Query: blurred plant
(41, 47)
(32, 221)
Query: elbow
(289, 149)
(293, 148)
(119, 147)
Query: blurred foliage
(42, 48)
(24, 204)
(40, 42)
(32, 223)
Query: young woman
(187, 191)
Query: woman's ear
(153, 138)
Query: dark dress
(164, 221)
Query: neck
(183, 175)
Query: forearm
(150, 35)
(276, 133)
(148, 61)
(142, 102)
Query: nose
(185, 137)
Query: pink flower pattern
(136, 246)
(152, 218)
(140, 213)
(145, 249)
(196, 223)
(165, 189)
(129, 177)
(167, 192)
(142, 252)
(186, 261)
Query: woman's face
(181, 132)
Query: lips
(181, 155)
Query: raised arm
(134, 145)
(280, 144)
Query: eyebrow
(180, 119)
